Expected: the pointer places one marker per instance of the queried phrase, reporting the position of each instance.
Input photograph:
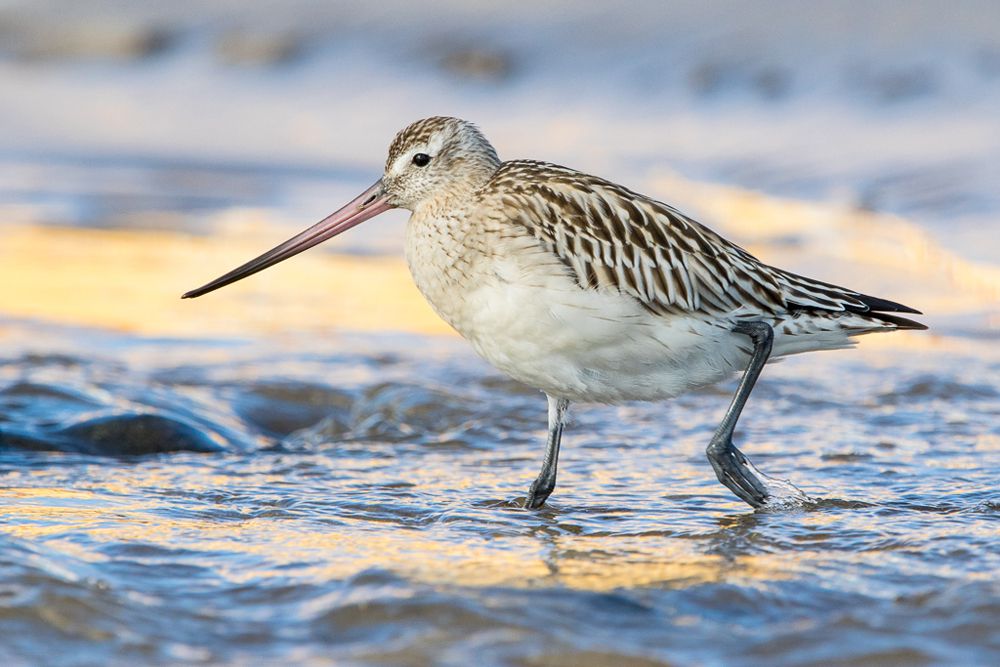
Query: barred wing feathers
(612, 238)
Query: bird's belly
(586, 345)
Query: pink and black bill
(365, 206)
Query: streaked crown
(437, 158)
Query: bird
(588, 291)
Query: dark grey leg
(731, 466)
(544, 484)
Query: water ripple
(359, 508)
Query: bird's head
(432, 160)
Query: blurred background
(252, 120)
(354, 504)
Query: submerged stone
(133, 434)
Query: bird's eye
(421, 159)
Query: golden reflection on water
(431, 554)
(132, 280)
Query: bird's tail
(883, 311)
(822, 316)
(859, 311)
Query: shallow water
(309, 496)
(360, 498)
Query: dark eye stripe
(421, 159)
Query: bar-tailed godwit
(588, 291)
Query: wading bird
(588, 291)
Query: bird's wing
(612, 238)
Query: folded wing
(612, 238)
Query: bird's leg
(544, 484)
(731, 466)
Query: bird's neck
(442, 261)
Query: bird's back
(610, 238)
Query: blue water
(359, 501)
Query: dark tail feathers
(876, 308)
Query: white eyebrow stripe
(432, 148)
(400, 164)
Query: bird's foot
(538, 493)
(734, 470)
(743, 478)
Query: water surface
(358, 499)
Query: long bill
(367, 205)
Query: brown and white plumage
(587, 290)
(613, 238)
(530, 261)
